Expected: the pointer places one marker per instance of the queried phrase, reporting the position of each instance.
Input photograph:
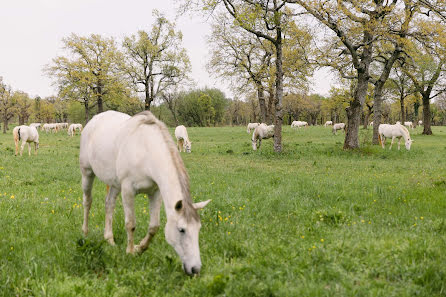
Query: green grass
(312, 221)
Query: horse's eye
(182, 230)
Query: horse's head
(188, 145)
(181, 232)
(408, 143)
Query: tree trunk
(261, 97)
(354, 113)
(271, 113)
(426, 115)
(100, 102)
(147, 99)
(379, 86)
(353, 121)
(366, 119)
(87, 112)
(279, 94)
(5, 124)
(403, 113)
(377, 114)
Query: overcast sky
(32, 31)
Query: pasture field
(312, 221)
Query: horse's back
(181, 132)
(98, 142)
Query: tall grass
(312, 221)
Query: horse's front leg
(154, 224)
(128, 201)
(29, 149)
(393, 139)
(110, 203)
(399, 141)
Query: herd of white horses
(29, 134)
(263, 131)
(115, 148)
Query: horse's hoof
(139, 249)
(130, 251)
(111, 241)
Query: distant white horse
(328, 123)
(420, 122)
(72, 129)
(338, 126)
(408, 124)
(137, 155)
(371, 124)
(394, 131)
(252, 126)
(35, 125)
(26, 134)
(261, 132)
(299, 124)
(50, 127)
(183, 139)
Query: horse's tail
(20, 138)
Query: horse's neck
(172, 183)
(404, 133)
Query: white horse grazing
(328, 123)
(261, 132)
(371, 124)
(338, 126)
(394, 131)
(137, 155)
(35, 125)
(408, 124)
(183, 139)
(299, 124)
(26, 134)
(420, 122)
(252, 126)
(72, 129)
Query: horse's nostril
(195, 270)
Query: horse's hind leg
(128, 199)
(155, 206)
(29, 150)
(87, 185)
(110, 202)
(22, 147)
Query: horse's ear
(179, 205)
(201, 205)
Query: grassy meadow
(312, 221)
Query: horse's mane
(147, 118)
(405, 131)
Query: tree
(427, 64)
(23, 106)
(401, 85)
(89, 72)
(388, 49)
(7, 104)
(241, 57)
(201, 107)
(155, 61)
(266, 20)
(357, 26)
